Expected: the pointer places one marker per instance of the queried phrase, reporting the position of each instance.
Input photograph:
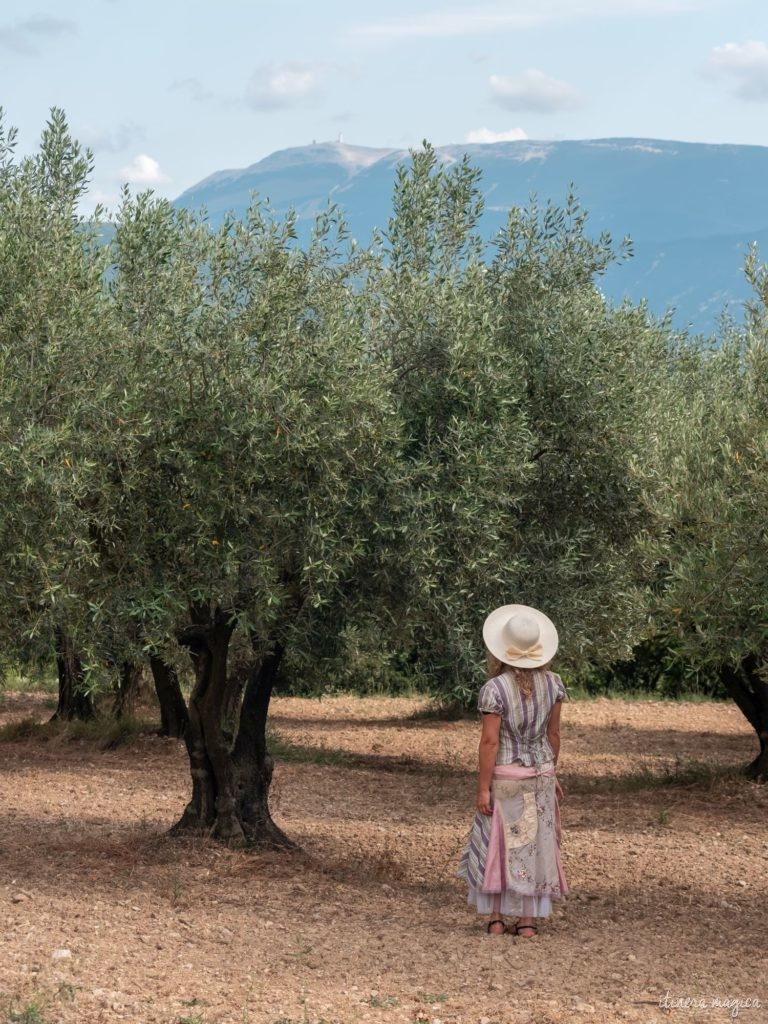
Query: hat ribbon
(535, 653)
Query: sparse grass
(431, 997)
(175, 893)
(30, 1014)
(194, 1019)
(22, 729)
(383, 1002)
(300, 953)
(106, 733)
(37, 682)
(663, 816)
(65, 992)
(293, 1020)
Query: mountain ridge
(678, 201)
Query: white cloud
(482, 135)
(25, 37)
(111, 140)
(515, 14)
(144, 170)
(534, 91)
(746, 64)
(278, 86)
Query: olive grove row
(223, 449)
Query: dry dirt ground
(105, 919)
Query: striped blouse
(523, 732)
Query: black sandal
(517, 926)
(498, 920)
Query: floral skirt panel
(511, 860)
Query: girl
(511, 861)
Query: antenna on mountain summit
(340, 138)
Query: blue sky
(166, 93)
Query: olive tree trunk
(127, 689)
(74, 701)
(173, 709)
(226, 742)
(750, 692)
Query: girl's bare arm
(553, 735)
(489, 746)
(553, 729)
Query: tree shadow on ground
(348, 722)
(661, 770)
(607, 729)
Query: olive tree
(196, 446)
(716, 570)
(251, 439)
(52, 314)
(601, 403)
(534, 436)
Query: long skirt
(511, 860)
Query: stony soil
(105, 919)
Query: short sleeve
(561, 694)
(489, 701)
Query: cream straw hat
(520, 636)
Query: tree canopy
(715, 599)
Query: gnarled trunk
(173, 709)
(750, 692)
(226, 743)
(127, 691)
(74, 700)
(757, 769)
(253, 765)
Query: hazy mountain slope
(302, 177)
(690, 208)
(697, 278)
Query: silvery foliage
(53, 313)
(380, 443)
(192, 416)
(714, 603)
(537, 416)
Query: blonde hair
(522, 676)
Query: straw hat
(520, 636)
